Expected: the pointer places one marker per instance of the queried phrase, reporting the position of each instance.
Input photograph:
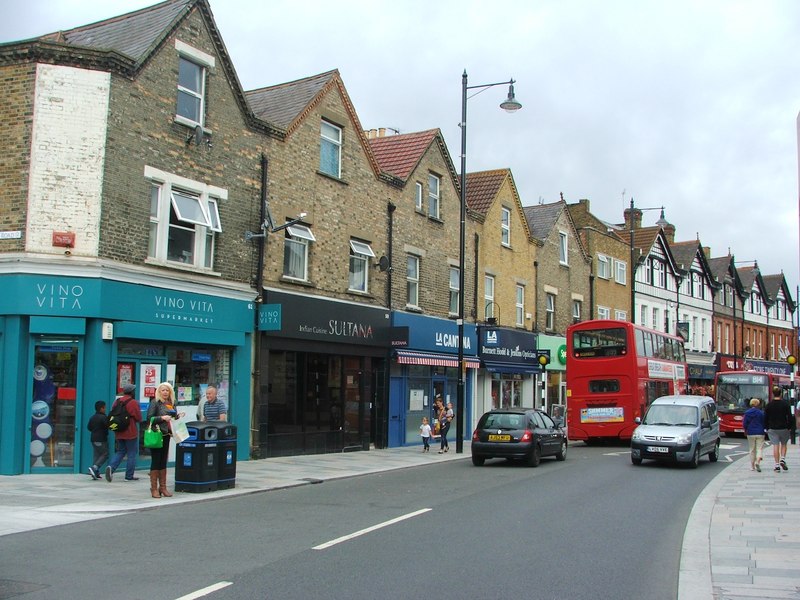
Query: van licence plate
(661, 449)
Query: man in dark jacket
(777, 421)
(127, 441)
(98, 425)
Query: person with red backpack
(126, 440)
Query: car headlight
(686, 438)
(637, 436)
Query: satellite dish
(383, 264)
(198, 135)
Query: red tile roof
(483, 187)
(400, 154)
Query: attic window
(193, 67)
(330, 150)
(505, 227)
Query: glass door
(53, 405)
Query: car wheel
(636, 461)
(695, 457)
(562, 453)
(714, 455)
(478, 460)
(535, 457)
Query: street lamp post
(510, 104)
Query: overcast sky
(690, 105)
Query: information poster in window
(149, 378)
(415, 400)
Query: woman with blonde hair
(160, 412)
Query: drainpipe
(255, 426)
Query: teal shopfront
(67, 342)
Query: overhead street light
(510, 104)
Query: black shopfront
(322, 375)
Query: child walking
(98, 425)
(425, 432)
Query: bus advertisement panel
(733, 391)
(615, 369)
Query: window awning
(506, 367)
(410, 357)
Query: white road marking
(344, 538)
(206, 590)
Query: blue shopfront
(67, 342)
(508, 361)
(425, 364)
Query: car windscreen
(503, 421)
(671, 414)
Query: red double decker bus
(615, 369)
(733, 391)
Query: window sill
(191, 124)
(190, 268)
(438, 220)
(413, 308)
(332, 177)
(300, 282)
(506, 246)
(360, 294)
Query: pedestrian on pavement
(754, 430)
(161, 410)
(425, 432)
(126, 442)
(98, 425)
(445, 418)
(777, 420)
(214, 409)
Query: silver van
(678, 429)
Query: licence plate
(493, 437)
(661, 449)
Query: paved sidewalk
(742, 540)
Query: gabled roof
(483, 188)
(283, 104)
(685, 253)
(773, 285)
(123, 45)
(751, 277)
(542, 218)
(135, 34)
(646, 238)
(400, 154)
(584, 220)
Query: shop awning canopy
(412, 357)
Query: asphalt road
(593, 526)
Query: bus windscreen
(735, 391)
(598, 343)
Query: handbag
(153, 437)
(179, 430)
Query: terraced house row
(159, 222)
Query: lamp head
(510, 104)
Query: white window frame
(550, 312)
(412, 280)
(620, 271)
(620, 315)
(603, 266)
(330, 139)
(434, 196)
(563, 248)
(202, 61)
(297, 238)
(454, 285)
(505, 227)
(519, 307)
(196, 208)
(360, 253)
(643, 313)
(488, 296)
(418, 197)
(576, 310)
(603, 312)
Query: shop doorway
(54, 409)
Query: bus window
(656, 389)
(603, 386)
(648, 344)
